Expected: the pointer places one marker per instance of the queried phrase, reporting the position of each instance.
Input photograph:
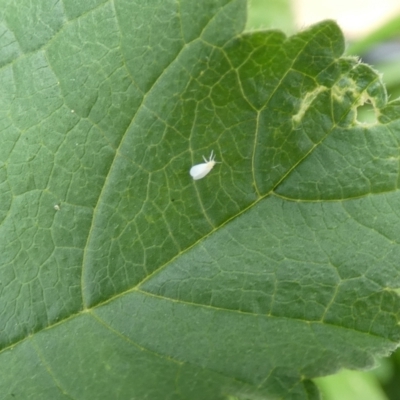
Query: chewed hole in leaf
(366, 114)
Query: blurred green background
(379, 46)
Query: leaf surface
(121, 277)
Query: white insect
(201, 170)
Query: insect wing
(200, 170)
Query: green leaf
(121, 277)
